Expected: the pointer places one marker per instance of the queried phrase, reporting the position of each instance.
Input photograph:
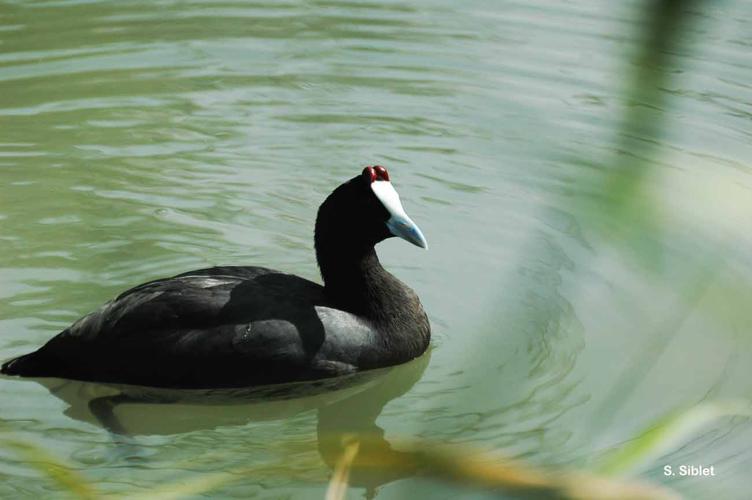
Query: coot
(243, 326)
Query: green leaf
(666, 434)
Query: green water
(142, 139)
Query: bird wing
(214, 327)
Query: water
(142, 139)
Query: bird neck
(355, 281)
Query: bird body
(242, 326)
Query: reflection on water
(137, 410)
(346, 409)
(143, 139)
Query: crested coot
(242, 326)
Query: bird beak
(406, 229)
(399, 223)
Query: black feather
(241, 326)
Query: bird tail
(26, 365)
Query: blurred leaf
(618, 204)
(489, 471)
(666, 434)
(664, 22)
(338, 484)
(631, 376)
(461, 465)
(51, 467)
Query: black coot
(243, 326)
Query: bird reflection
(347, 409)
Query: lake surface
(142, 139)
